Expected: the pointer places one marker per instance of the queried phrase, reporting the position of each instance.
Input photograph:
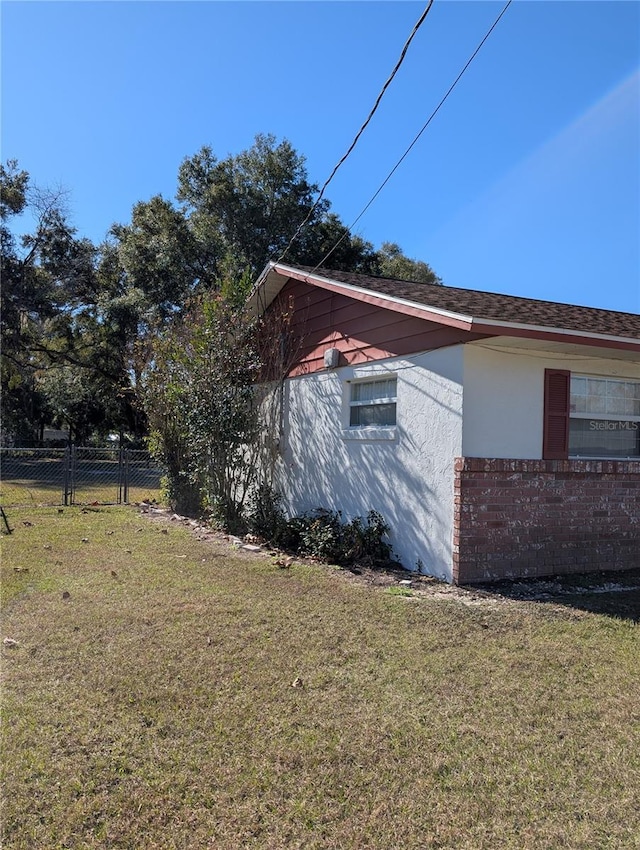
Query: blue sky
(527, 182)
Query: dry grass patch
(170, 693)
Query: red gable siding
(361, 332)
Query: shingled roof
(492, 306)
(470, 304)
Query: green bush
(321, 533)
(366, 544)
(265, 517)
(322, 536)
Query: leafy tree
(32, 300)
(14, 190)
(51, 316)
(79, 400)
(392, 263)
(251, 203)
(331, 237)
(162, 258)
(233, 216)
(90, 314)
(199, 393)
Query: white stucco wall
(408, 479)
(504, 395)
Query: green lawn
(167, 692)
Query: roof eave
(389, 302)
(515, 329)
(265, 289)
(275, 275)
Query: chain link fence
(77, 475)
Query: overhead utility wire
(405, 154)
(417, 26)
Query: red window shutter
(555, 441)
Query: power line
(417, 26)
(424, 127)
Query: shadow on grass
(613, 594)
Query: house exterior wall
(405, 473)
(504, 396)
(530, 518)
(516, 514)
(502, 511)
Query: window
(604, 417)
(373, 403)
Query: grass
(168, 692)
(26, 493)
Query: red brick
(543, 517)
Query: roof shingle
(492, 306)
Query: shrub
(265, 517)
(321, 533)
(365, 544)
(322, 536)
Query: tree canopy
(79, 320)
(54, 330)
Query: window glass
(374, 414)
(370, 390)
(604, 418)
(603, 438)
(373, 403)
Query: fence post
(74, 472)
(127, 471)
(67, 475)
(120, 474)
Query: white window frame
(368, 432)
(603, 416)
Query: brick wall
(516, 518)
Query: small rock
(164, 531)
(406, 582)
(21, 569)
(27, 523)
(250, 547)
(114, 574)
(297, 683)
(11, 643)
(85, 539)
(66, 595)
